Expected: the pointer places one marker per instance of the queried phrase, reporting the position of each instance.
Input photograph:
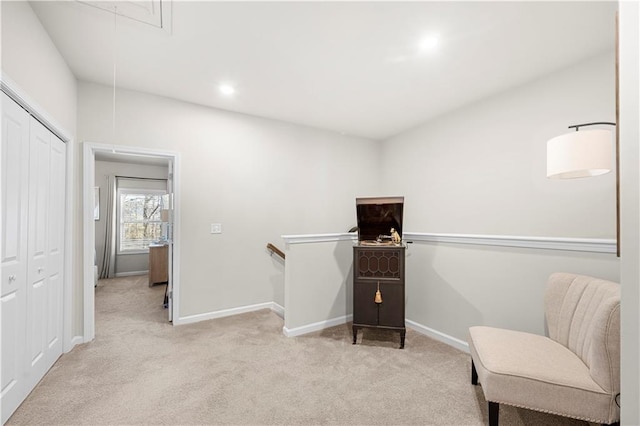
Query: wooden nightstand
(158, 264)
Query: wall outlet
(216, 228)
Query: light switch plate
(216, 228)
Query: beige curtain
(108, 261)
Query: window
(139, 219)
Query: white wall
(259, 178)
(125, 263)
(481, 170)
(31, 60)
(630, 209)
(318, 285)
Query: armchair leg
(494, 411)
(474, 374)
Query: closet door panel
(37, 306)
(53, 321)
(55, 247)
(13, 255)
(13, 389)
(15, 136)
(39, 173)
(38, 192)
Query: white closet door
(14, 214)
(55, 250)
(46, 219)
(37, 289)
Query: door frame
(88, 182)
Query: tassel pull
(378, 298)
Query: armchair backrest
(583, 314)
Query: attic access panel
(151, 12)
(377, 215)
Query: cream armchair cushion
(574, 372)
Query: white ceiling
(350, 67)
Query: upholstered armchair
(574, 372)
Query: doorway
(139, 156)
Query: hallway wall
(259, 178)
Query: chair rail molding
(594, 245)
(319, 238)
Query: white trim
(89, 151)
(131, 274)
(277, 309)
(221, 314)
(14, 91)
(439, 336)
(596, 245)
(320, 238)
(174, 267)
(76, 340)
(316, 326)
(68, 342)
(88, 227)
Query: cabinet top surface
(376, 245)
(154, 245)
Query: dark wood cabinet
(379, 268)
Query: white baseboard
(75, 340)
(316, 326)
(130, 274)
(223, 313)
(310, 328)
(277, 309)
(434, 334)
(439, 336)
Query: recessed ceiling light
(429, 43)
(226, 89)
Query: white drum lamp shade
(580, 154)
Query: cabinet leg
(402, 335)
(355, 335)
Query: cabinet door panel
(365, 310)
(392, 306)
